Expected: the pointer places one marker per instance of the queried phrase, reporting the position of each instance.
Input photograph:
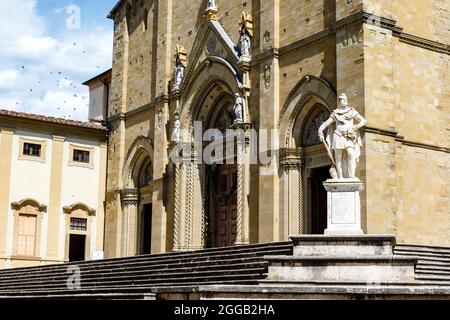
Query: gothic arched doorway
(316, 171)
(220, 170)
(137, 197)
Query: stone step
(433, 266)
(433, 263)
(145, 264)
(324, 245)
(147, 272)
(423, 255)
(433, 277)
(160, 282)
(147, 290)
(433, 271)
(426, 259)
(282, 247)
(424, 249)
(342, 268)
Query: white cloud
(40, 73)
(7, 78)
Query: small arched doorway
(305, 162)
(145, 208)
(317, 170)
(137, 199)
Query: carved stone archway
(310, 96)
(213, 82)
(137, 190)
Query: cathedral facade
(271, 71)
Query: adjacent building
(52, 187)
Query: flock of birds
(57, 80)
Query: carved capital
(291, 159)
(129, 196)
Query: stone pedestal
(344, 207)
(365, 259)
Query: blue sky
(50, 47)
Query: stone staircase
(433, 265)
(145, 277)
(130, 278)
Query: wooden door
(319, 200)
(225, 218)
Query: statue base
(344, 206)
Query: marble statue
(343, 141)
(176, 133)
(245, 43)
(238, 109)
(179, 73)
(180, 66)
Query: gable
(212, 41)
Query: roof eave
(113, 11)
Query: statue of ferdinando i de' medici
(343, 140)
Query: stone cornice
(352, 20)
(402, 140)
(158, 101)
(383, 132)
(422, 145)
(424, 43)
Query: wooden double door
(225, 206)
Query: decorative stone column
(292, 165)
(129, 201)
(188, 203)
(243, 182)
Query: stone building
(52, 188)
(178, 62)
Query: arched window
(310, 135)
(145, 176)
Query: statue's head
(343, 100)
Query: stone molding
(402, 140)
(357, 18)
(81, 206)
(25, 202)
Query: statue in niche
(343, 141)
(245, 43)
(176, 133)
(238, 109)
(179, 73)
(180, 66)
(246, 34)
